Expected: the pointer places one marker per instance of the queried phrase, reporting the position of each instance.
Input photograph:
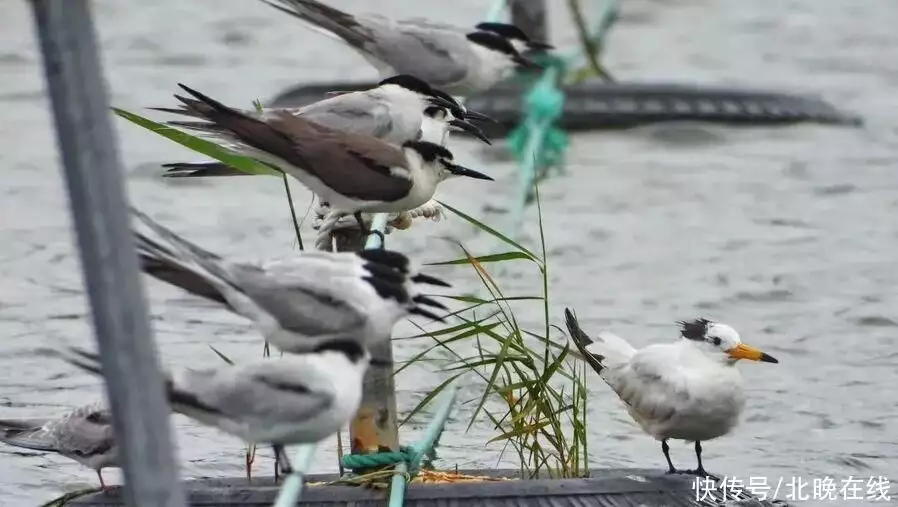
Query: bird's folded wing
(437, 56)
(298, 305)
(356, 166)
(267, 391)
(27, 434)
(650, 386)
(351, 113)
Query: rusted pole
(375, 426)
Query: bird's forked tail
(605, 350)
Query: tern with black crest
(686, 390)
(351, 172)
(401, 108)
(460, 62)
(84, 434)
(300, 301)
(295, 399)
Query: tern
(295, 399)
(391, 111)
(300, 301)
(363, 112)
(685, 390)
(85, 435)
(459, 62)
(351, 172)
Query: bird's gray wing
(437, 56)
(27, 434)
(351, 113)
(298, 305)
(649, 384)
(241, 393)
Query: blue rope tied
(537, 143)
(360, 463)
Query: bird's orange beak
(743, 351)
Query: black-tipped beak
(376, 361)
(432, 280)
(440, 101)
(424, 313)
(767, 358)
(474, 115)
(470, 127)
(424, 300)
(526, 63)
(539, 46)
(460, 170)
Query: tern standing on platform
(85, 435)
(686, 390)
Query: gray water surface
(788, 234)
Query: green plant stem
(292, 211)
(590, 47)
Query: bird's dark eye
(716, 340)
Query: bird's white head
(720, 341)
(437, 160)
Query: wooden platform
(605, 487)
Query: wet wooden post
(375, 426)
(108, 258)
(530, 16)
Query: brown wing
(356, 165)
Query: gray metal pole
(531, 17)
(108, 258)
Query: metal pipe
(99, 209)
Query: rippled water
(788, 234)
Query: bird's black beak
(539, 46)
(376, 361)
(471, 128)
(459, 170)
(526, 63)
(440, 101)
(474, 115)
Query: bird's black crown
(493, 41)
(506, 30)
(429, 151)
(409, 82)
(694, 329)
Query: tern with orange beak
(686, 390)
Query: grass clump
(541, 398)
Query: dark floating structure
(597, 105)
(604, 488)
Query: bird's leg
(367, 231)
(102, 484)
(666, 450)
(700, 471)
(279, 455)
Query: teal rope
(536, 143)
(406, 469)
(290, 492)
